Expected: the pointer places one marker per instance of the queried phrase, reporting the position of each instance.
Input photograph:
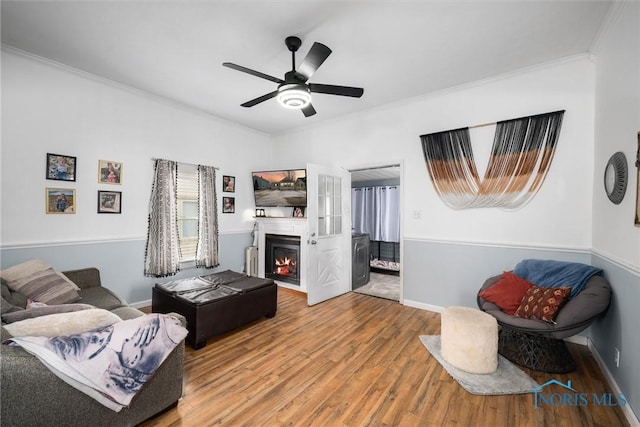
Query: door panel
(329, 213)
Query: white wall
(559, 216)
(616, 128)
(616, 241)
(48, 109)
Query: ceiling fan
(295, 91)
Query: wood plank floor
(355, 360)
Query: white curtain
(207, 249)
(162, 254)
(376, 211)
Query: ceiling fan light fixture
(294, 96)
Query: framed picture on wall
(228, 205)
(109, 172)
(109, 202)
(60, 200)
(61, 167)
(298, 212)
(228, 184)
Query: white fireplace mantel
(287, 227)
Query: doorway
(376, 219)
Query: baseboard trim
(141, 304)
(578, 339)
(423, 306)
(627, 410)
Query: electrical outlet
(617, 357)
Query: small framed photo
(298, 212)
(109, 202)
(228, 184)
(109, 172)
(60, 200)
(228, 205)
(61, 167)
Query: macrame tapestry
(520, 159)
(162, 255)
(207, 248)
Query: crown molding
(130, 89)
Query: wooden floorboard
(355, 360)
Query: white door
(329, 216)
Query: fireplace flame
(285, 266)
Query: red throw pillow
(543, 303)
(507, 293)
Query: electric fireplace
(282, 258)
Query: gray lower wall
(440, 274)
(121, 263)
(435, 274)
(444, 273)
(619, 329)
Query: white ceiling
(394, 50)
(375, 174)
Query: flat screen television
(280, 188)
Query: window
(187, 199)
(329, 205)
(183, 221)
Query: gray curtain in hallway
(376, 211)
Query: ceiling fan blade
(252, 72)
(355, 92)
(314, 59)
(260, 99)
(308, 110)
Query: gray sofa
(33, 396)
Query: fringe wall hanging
(520, 159)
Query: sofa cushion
(40, 282)
(15, 299)
(507, 292)
(6, 292)
(62, 324)
(7, 307)
(33, 312)
(126, 313)
(102, 298)
(542, 303)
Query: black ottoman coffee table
(216, 303)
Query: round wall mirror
(615, 177)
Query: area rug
(508, 379)
(381, 286)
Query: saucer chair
(539, 344)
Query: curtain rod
(495, 123)
(153, 159)
(519, 118)
(483, 125)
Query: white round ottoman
(469, 339)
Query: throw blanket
(556, 274)
(109, 364)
